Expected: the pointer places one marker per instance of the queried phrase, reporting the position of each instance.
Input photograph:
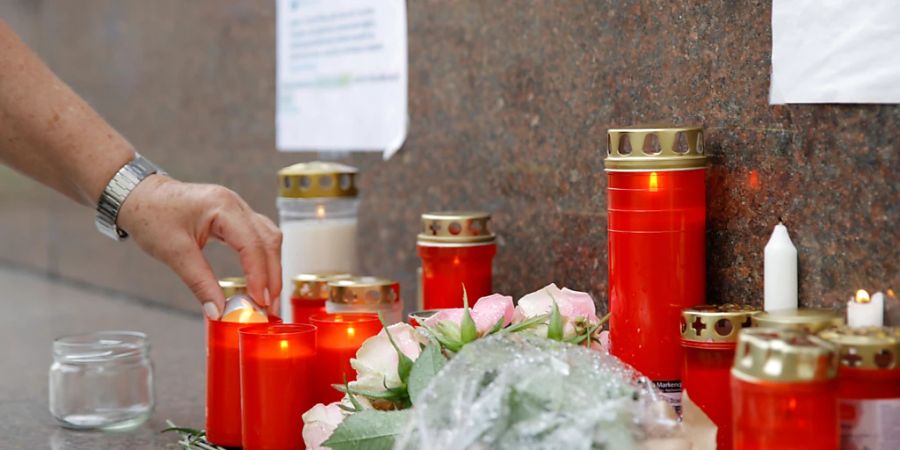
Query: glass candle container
(457, 249)
(709, 336)
(277, 368)
(868, 386)
(101, 380)
(810, 320)
(656, 200)
(311, 293)
(223, 381)
(417, 318)
(339, 336)
(783, 391)
(366, 295)
(317, 206)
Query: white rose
(318, 424)
(376, 361)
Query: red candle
(657, 253)
(223, 388)
(784, 392)
(277, 364)
(339, 337)
(457, 249)
(311, 293)
(868, 385)
(709, 336)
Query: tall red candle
(784, 391)
(868, 385)
(657, 253)
(310, 294)
(339, 337)
(709, 336)
(277, 366)
(457, 248)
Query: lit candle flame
(654, 182)
(862, 296)
(320, 211)
(351, 331)
(284, 344)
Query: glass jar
(784, 391)
(317, 210)
(311, 293)
(656, 200)
(457, 249)
(709, 336)
(338, 338)
(868, 385)
(809, 320)
(101, 380)
(366, 295)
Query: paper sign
(341, 78)
(835, 51)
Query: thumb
(196, 274)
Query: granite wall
(509, 106)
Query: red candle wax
(339, 337)
(223, 388)
(310, 294)
(277, 364)
(304, 308)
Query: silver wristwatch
(118, 189)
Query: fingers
(194, 270)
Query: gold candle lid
(455, 227)
(232, 286)
(715, 323)
(314, 286)
(367, 291)
(654, 147)
(317, 179)
(867, 347)
(810, 320)
(767, 354)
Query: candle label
(671, 392)
(870, 424)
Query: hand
(172, 221)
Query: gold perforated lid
(654, 147)
(866, 348)
(811, 320)
(367, 291)
(232, 286)
(715, 323)
(768, 354)
(317, 179)
(455, 227)
(314, 286)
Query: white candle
(315, 246)
(780, 272)
(865, 312)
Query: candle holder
(809, 320)
(656, 200)
(232, 286)
(317, 210)
(709, 337)
(311, 293)
(868, 384)
(783, 386)
(457, 248)
(417, 318)
(277, 367)
(339, 338)
(365, 295)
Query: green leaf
(497, 326)
(555, 328)
(526, 324)
(429, 363)
(450, 336)
(467, 330)
(404, 364)
(356, 405)
(394, 394)
(368, 430)
(447, 342)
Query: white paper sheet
(342, 75)
(835, 51)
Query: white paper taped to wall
(342, 75)
(835, 51)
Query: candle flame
(654, 182)
(320, 211)
(862, 296)
(284, 344)
(891, 294)
(456, 260)
(351, 331)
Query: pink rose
(576, 308)
(318, 424)
(486, 313)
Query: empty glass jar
(101, 380)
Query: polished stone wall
(509, 106)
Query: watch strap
(118, 189)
